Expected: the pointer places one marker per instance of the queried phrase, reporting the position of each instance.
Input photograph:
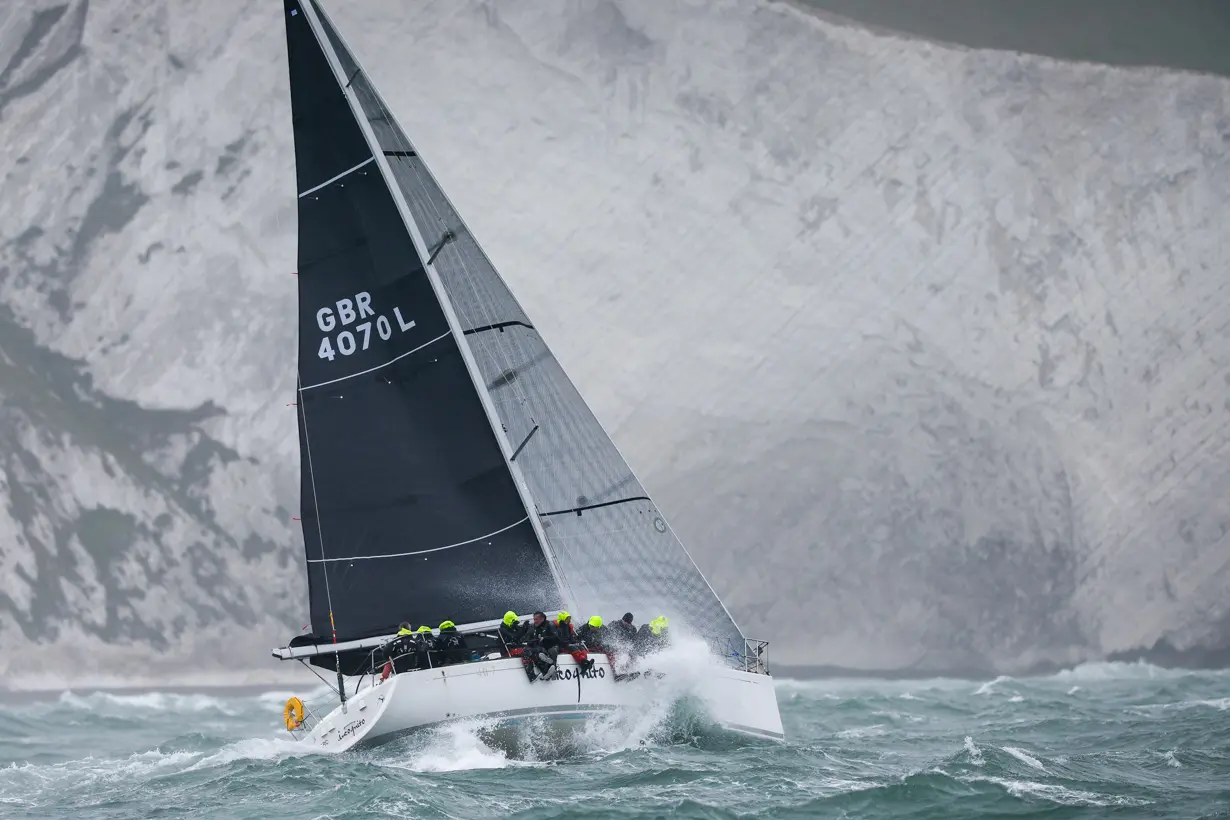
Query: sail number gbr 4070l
(347, 313)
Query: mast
(427, 257)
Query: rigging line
(308, 666)
(331, 180)
(417, 552)
(320, 533)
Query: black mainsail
(450, 468)
(409, 511)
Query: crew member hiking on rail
(622, 633)
(593, 634)
(542, 650)
(513, 635)
(652, 636)
(452, 644)
(570, 644)
(424, 642)
(400, 653)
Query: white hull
(499, 690)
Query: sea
(1101, 740)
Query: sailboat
(450, 470)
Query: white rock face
(924, 349)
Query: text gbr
(348, 312)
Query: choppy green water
(1103, 740)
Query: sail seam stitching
(332, 180)
(421, 552)
(377, 367)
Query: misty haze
(914, 319)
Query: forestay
(409, 510)
(610, 544)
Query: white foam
(863, 731)
(454, 747)
(92, 769)
(145, 701)
(1171, 760)
(1116, 670)
(975, 754)
(1059, 794)
(255, 748)
(1025, 757)
(1220, 704)
(988, 688)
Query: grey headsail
(610, 545)
(409, 509)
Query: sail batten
(334, 179)
(393, 360)
(467, 542)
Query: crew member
(652, 636)
(563, 628)
(512, 635)
(570, 644)
(451, 643)
(400, 652)
(424, 642)
(623, 632)
(593, 634)
(543, 650)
